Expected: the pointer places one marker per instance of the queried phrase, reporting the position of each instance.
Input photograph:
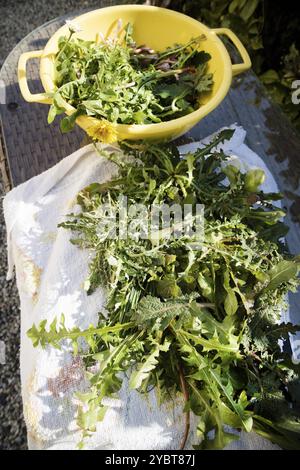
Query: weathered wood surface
(32, 146)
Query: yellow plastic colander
(158, 28)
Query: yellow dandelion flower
(102, 130)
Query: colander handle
(26, 93)
(246, 64)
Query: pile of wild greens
(204, 323)
(121, 82)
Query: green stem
(65, 45)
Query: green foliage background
(269, 29)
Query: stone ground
(17, 19)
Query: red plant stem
(185, 392)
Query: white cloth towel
(50, 274)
